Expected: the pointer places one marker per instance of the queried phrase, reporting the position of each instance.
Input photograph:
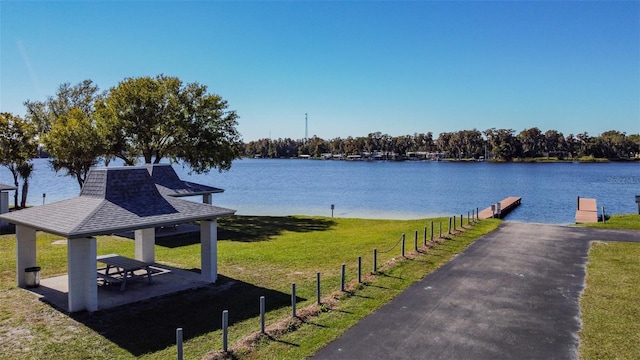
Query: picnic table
(124, 268)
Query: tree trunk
(15, 193)
(25, 191)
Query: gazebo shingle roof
(113, 200)
(169, 183)
(4, 187)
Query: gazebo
(114, 199)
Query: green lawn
(257, 256)
(624, 222)
(609, 304)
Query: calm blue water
(395, 189)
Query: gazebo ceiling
(116, 199)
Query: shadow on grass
(150, 326)
(262, 228)
(250, 229)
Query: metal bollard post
(179, 343)
(432, 231)
(425, 236)
(604, 219)
(461, 219)
(449, 226)
(440, 229)
(342, 277)
(318, 288)
(359, 269)
(402, 245)
(225, 330)
(415, 241)
(375, 261)
(262, 314)
(293, 299)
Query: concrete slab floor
(165, 280)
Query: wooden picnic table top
(125, 263)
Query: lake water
(394, 190)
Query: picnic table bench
(124, 268)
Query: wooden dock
(587, 211)
(500, 209)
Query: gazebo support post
(209, 250)
(145, 240)
(25, 252)
(4, 206)
(207, 199)
(83, 287)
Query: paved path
(513, 294)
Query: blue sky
(355, 67)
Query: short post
(342, 277)
(461, 220)
(44, 195)
(402, 245)
(499, 210)
(478, 214)
(432, 230)
(415, 242)
(604, 219)
(375, 261)
(359, 269)
(293, 299)
(454, 223)
(440, 229)
(449, 229)
(332, 207)
(468, 217)
(493, 210)
(262, 314)
(225, 330)
(318, 287)
(425, 236)
(179, 342)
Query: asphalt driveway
(513, 294)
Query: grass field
(609, 305)
(257, 256)
(623, 221)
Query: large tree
(74, 144)
(67, 128)
(160, 117)
(17, 147)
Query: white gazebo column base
(145, 245)
(209, 250)
(83, 284)
(25, 252)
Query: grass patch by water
(256, 256)
(620, 222)
(609, 304)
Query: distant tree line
(498, 144)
